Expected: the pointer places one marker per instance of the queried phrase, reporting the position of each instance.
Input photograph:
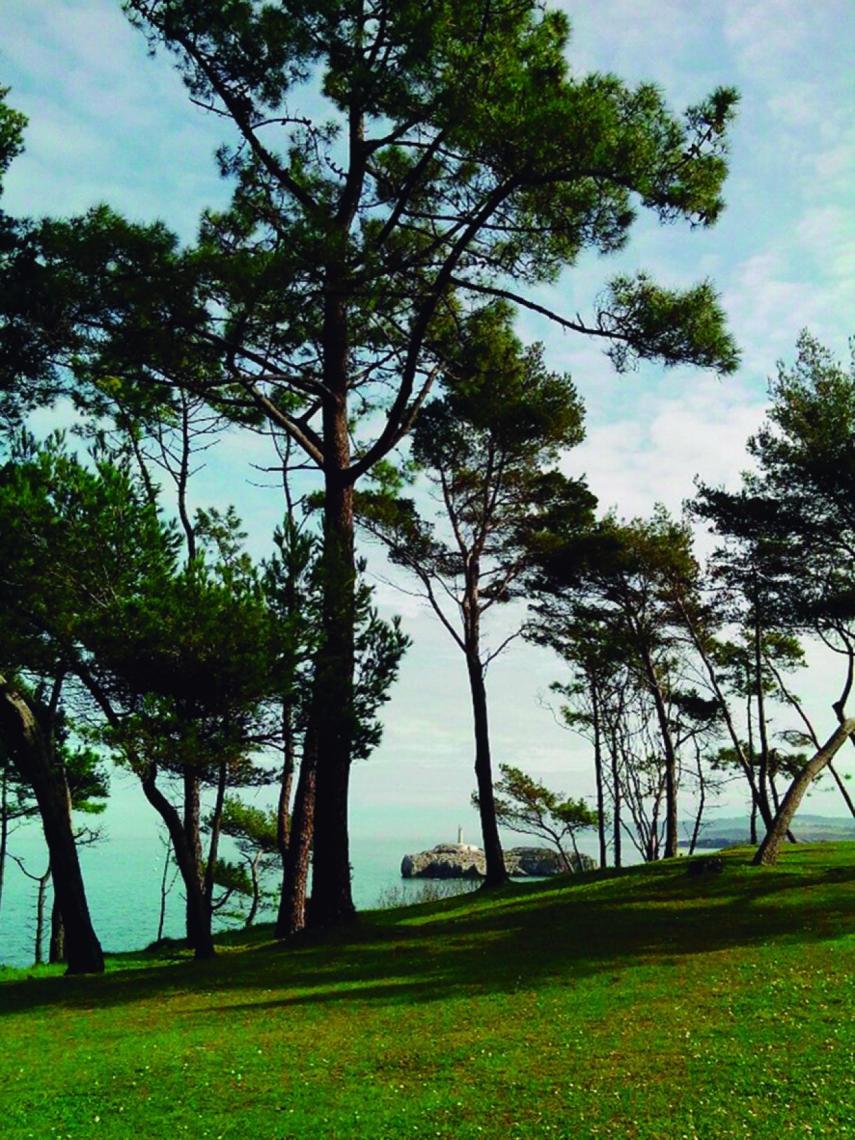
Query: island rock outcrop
(465, 861)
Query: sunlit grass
(645, 1003)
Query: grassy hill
(644, 1003)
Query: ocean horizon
(123, 874)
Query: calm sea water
(123, 886)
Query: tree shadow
(518, 937)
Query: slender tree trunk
(283, 808)
(616, 801)
(198, 914)
(193, 834)
(754, 820)
(292, 903)
(702, 785)
(41, 896)
(4, 823)
(496, 873)
(671, 836)
(776, 799)
(56, 948)
(844, 791)
(25, 743)
(214, 844)
(598, 774)
(164, 890)
(769, 849)
(763, 781)
(253, 874)
(744, 762)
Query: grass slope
(646, 1003)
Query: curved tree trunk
(198, 914)
(25, 743)
(769, 849)
(256, 891)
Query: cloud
(691, 427)
(107, 123)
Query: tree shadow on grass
(559, 932)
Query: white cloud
(700, 428)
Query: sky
(109, 123)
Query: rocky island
(465, 861)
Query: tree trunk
(844, 791)
(769, 849)
(256, 891)
(25, 743)
(702, 785)
(198, 914)
(754, 820)
(283, 808)
(763, 781)
(214, 844)
(598, 774)
(671, 837)
(616, 802)
(193, 835)
(292, 903)
(744, 762)
(164, 890)
(333, 710)
(56, 949)
(496, 874)
(4, 823)
(41, 896)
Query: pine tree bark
(769, 849)
(214, 844)
(598, 772)
(198, 915)
(283, 807)
(56, 947)
(332, 899)
(292, 903)
(25, 743)
(496, 873)
(192, 833)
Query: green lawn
(637, 1004)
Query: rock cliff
(464, 861)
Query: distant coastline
(735, 832)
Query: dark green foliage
(790, 526)
(185, 654)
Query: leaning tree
(790, 530)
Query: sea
(123, 882)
